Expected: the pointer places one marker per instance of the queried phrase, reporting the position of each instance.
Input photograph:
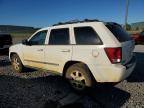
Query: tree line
(131, 28)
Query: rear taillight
(114, 54)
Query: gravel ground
(39, 89)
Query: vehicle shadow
(48, 92)
(138, 73)
(109, 96)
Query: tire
(79, 77)
(17, 64)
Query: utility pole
(126, 13)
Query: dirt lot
(39, 89)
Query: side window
(86, 36)
(39, 38)
(59, 37)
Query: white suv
(82, 51)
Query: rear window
(119, 32)
(86, 36)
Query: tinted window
(59, 37)
(86, 36)
(119, 32)
(39, 38)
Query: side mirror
(25, 42)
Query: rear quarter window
(119, 32)
(86, 36)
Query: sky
(43, 13)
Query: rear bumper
(114, 72)
(129, 67)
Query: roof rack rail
(76, 21)
(114, 23)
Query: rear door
(126, 41)
(58, 51)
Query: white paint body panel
(56, 56)
(34, 55)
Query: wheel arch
(70, 63)
(12, 53)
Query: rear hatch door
(125, 39)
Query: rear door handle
(65, 50)
(40, 50)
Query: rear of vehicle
(5, 42)
(105, 52)
(120, 55)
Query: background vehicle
(138, 37)
(5, 43)
(82, 51)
